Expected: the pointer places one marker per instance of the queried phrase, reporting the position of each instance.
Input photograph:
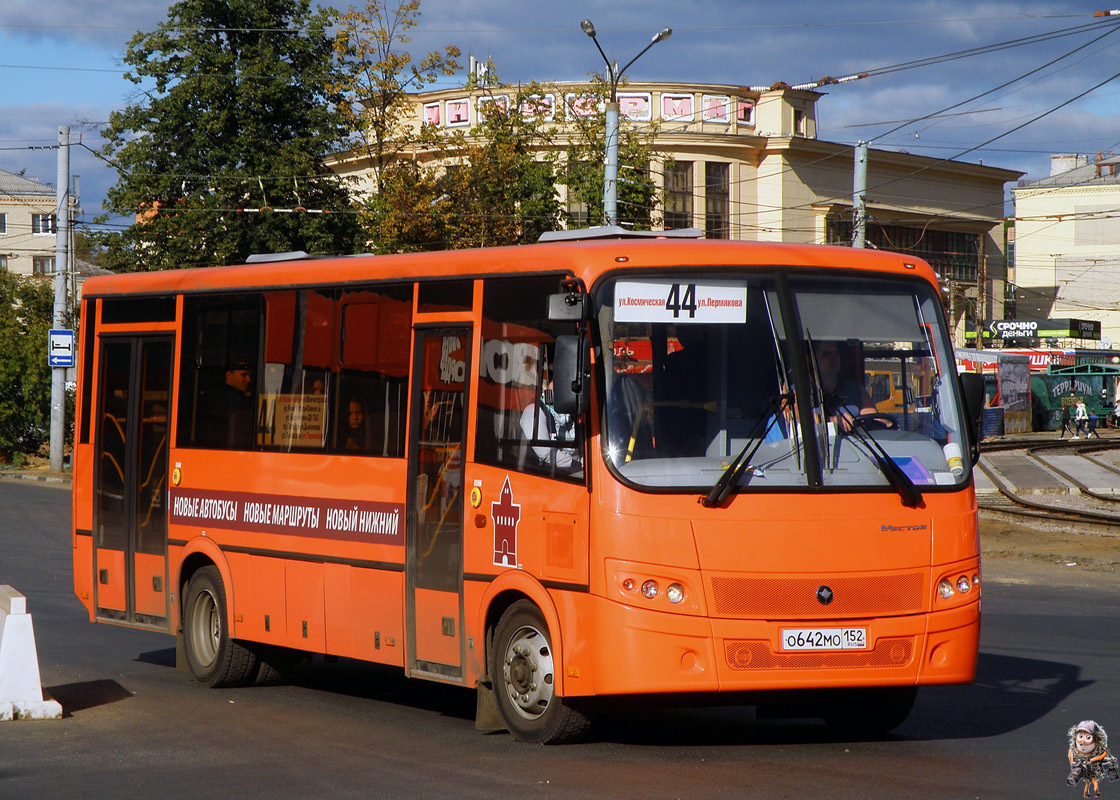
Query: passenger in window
(844, 396)
(541, 422)
(228, 414)
(356, 438)
(682, 413)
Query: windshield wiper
(755, 439)
(911, 495)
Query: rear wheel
(868, 712)
(214, 658)
(523, 670)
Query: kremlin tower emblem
(505, 514)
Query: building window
(678, 195)
(42, 224)
(952, 254)
(3, 224)
(42, 265)
(717, 202)
(3, 263)
(580, 176)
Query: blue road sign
(60, 348)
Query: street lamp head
(661, 36)
(588, 28)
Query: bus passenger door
(434, 547)
(130, 478)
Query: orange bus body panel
(579, 547)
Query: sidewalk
(41, 475)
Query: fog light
(945, 589)
(628, 584)
(963, 584)
(675, 593)
(649, 589)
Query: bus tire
(522, 668)
(215, 660)
(868, 712)
(273, 664)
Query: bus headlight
(650, 589)
(944, 589)
(675, 593)
(963, 584)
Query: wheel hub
(527, 669)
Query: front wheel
(523, 669)
(214, 658)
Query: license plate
(824, 639)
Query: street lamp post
(614, 74)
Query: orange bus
(553, 473)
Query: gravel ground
(1016, 551)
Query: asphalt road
(135, 727)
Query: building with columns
(745, 163)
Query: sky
(1052, 88)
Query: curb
(20, 476)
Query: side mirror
(569, 375)
(972, 389)
(571, 304)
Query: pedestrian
(1081, 418)
(1065, 422)
(1093, 425)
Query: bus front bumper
(643, 652)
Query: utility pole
(859, 196)
(61, 247)
(981, 279)
(610, 161)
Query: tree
(586, 153)
(222, 156)
(492, 185)
(376, 77)
(26, 307)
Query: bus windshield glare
(810, 380)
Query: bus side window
(514, 428)
(293, 411)
(218, 373)
(372, 383)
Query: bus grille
(745, 655)
(796, 598)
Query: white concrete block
(11, 601)
(44, 709)
(21, 692)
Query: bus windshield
(853, 385)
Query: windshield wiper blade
(755, 438)
(911, 495)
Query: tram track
(1045, 505)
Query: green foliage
(234, 117)
(375, 77)
(586, 152)
(26, 306)
(492, 185)
(86, 249)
